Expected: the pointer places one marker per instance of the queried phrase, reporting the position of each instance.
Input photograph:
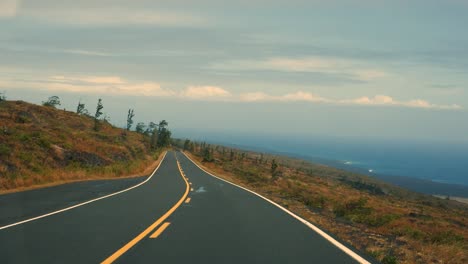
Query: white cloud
(204, 92)
(384, 100)
(290, 97)
(114, 85)
(110, 16)
(89, 79)
(9, 8)
(352, 68)
(255, 97)
(378, 100)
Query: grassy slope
(42, 145)
(387, 222)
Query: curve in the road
(84, 203)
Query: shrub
(389, 259)
(24, 138)
(356, 207)
(52, 101)
(445, 237)
(43, 143)
(5, 150)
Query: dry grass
(391, 224)
(40, 146)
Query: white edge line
(87, 202)
(302, 220)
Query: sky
(351, 68)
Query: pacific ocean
(432, 167)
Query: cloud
(290, 97)
(9, 8)
(113, 16)
(113, 85)
(378, 100)
(89, 79)
(353, 69)
(204, 92)
(116, 85)
(384, 100)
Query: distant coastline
(439, 189)
(410, 183)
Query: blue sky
(390, 69)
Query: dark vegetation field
(387, 222)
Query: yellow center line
(148, 230)
(188, 200)
(160, 230)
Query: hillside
(43, 145)
(392, 224)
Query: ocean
(432, 161)
(432, 167)
(424, 166)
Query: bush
(4, 150)
(356, 207)
(445, 237)
(24, 138)
(389, 259)
(43, 143)
(317, 202)
(357, 211)
(52, 101)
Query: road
(171, 218)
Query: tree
(162, 125)
(130, 116)
(52, 101)
(140, 127)
(150, 129)
(154, 140)
(2, 96)
(274, 168)
(164, 135)
(98, 114)
(207, 155)
(187, 144)
(232, 156)
(80, 109)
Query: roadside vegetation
(391, 224)
(42, 145)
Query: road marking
(148, 230)
(302, 220)
(188, 200)
(160, 230)
(84, 203)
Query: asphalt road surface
(180, 215)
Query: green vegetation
(130, 116)
(140, 128)
(98, 114)
(81, 110)
(52, 101)
(163, 138)
(391, 224)
(42, 145)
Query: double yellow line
(148, 230)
